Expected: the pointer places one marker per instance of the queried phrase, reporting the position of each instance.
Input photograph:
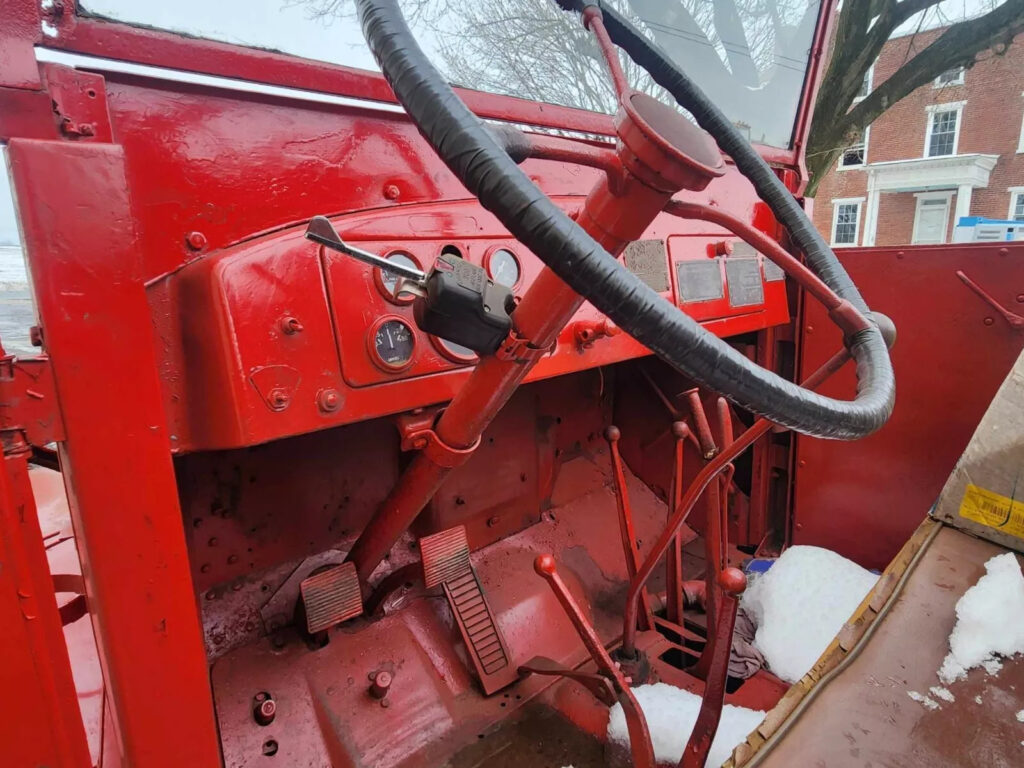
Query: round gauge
(387, 282)
(503, 267)
(453, 351)
(391, 343)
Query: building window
(846, 221)
(1016, 204)
(855, 155)
(931, 218)
(954, 76)
(943, 130)
(1020, 141)
(866, 83)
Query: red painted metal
(40, 723)
(186, 315)
(730, 582)
(627, 530)
(674, 557)
(706, 477)
(636, 724)
(92, 304)
(939, 320)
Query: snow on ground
(926, 701)
(941, 693)
(800, 605)
(671, 714)
(1020, 716)
(989, 621)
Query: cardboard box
(984, 495)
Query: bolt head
(989, 320)
(290, 325)
(279, 399)
(329, 400)
(392, 192)
(196, 240)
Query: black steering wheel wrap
(483, 166)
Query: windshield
(749, 56)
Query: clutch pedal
(331, 597)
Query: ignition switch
(455, 301)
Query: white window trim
(860, 166)
(870, 77)
(948, 197)
(836, 202)
(950, 106)
(958, 81)
(1014, 193)
(1020, 141)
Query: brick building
(952, 148)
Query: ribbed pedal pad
(446, 561)
(331, 597)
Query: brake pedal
(446, 562)
(331, 597)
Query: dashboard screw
(278, 399)
(196, 240)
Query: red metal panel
(863, 499)
(84, 258)
(18, 34)
(40, 723)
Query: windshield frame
(76, 32)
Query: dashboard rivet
(392, 192)
(329, 400)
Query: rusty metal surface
(865, 716)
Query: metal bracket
(516, 348)
(1016, 321)
(418, 434)
(28, 400)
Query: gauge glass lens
(393, 343)
(456, 349)
(389, 279)
(504, 268)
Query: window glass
(17, 307)
(749, 56)
(953, 76)
(1018, 207)
(943, 135)
(865, 85)
(845, 230)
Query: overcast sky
(285, 25)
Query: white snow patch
(977, 699)
(989, 621)
(800, 605)
(48, 29)
(1020, 716)
(942, 693)
(927, 701)
(671, 714)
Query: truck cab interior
(404, 424)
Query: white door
(931, 220)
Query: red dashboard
(282, 337)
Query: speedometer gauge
(454, 352)
(503, 267)
(391, 343)
(386, 281)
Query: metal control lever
(456, 300)
(411, 280)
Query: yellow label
(992, 510)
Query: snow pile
(671, 714)
(800, 605)
(942, 693)
(989, 621)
